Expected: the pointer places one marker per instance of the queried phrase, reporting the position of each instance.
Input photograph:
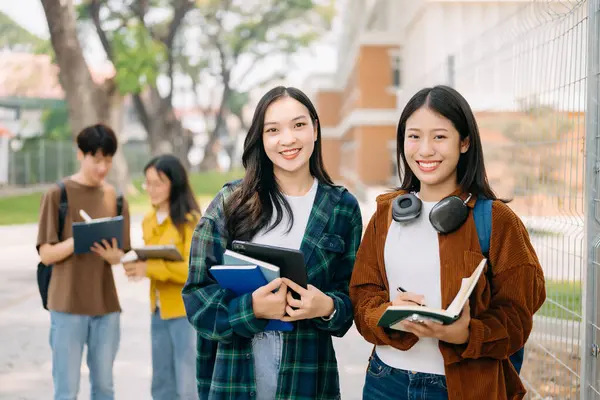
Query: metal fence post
(42, 161)
(591, 339)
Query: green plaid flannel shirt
(226, 323)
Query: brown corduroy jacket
(501, 319)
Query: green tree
(143, 46)
(243, 37)
(203, 40)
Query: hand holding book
(408, 313)
(101, 236)
(312, 303)
(135, 270)
(110, 252)
(261, 274)
(268, 301)
(455, 333)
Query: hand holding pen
(407, 298)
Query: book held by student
(89, 232)
(153, 252)
(242, 274)
(394, 315)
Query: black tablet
(289, 261)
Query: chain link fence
(533, 81)
(46, 161)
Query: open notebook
(393, 315)
(91, 231)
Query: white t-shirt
(301, 207)
(161, 216)
(412, 261)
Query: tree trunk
(75, 77)
(120, 172)
(232, 147)
(165, 132)
(87, 102)
(209, 161)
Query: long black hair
(250, 207)
(182, 202)
(450, 104)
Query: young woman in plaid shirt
(286, 199)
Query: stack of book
(243, 274)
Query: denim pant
(385, 382)
(267, 348)
(68, 334)
(173, 359)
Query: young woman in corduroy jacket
(418, 246)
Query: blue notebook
(241, 277)
(85, 234)
(269, 271)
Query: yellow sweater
(167, 278)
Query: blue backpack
(482, 213)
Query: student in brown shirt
(82, 299)
(407, 256)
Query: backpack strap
(119, 202)
(62, 208)
(482, 213)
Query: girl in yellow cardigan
(172, 221)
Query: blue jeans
(173, 359)
(266, 349)
(385, 382)
(68, 334)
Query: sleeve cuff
(242, 318)
(332, 322)
(476, 332)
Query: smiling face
(158, 187)
(289, 136)
(94, 167)
(432, 148)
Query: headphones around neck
(446, 216)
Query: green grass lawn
(19, 209)
(25, 208)
(565, 294)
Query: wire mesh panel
(530, 76)
(590, 381)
